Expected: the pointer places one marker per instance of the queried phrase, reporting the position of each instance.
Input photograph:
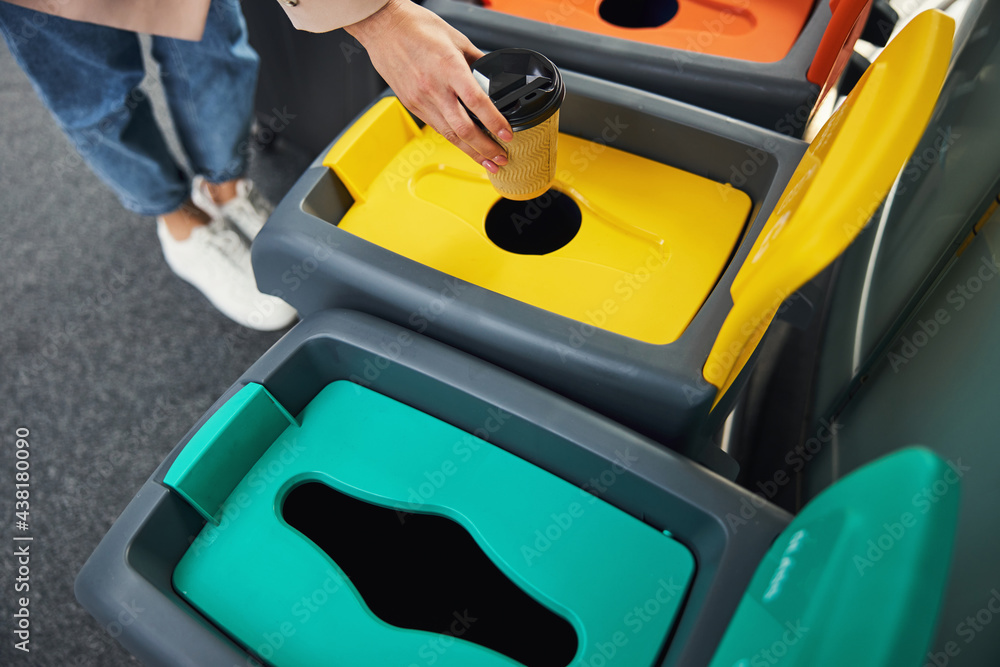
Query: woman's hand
(426, 63)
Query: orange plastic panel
(846, 25)
(755, 30)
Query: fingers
(457, 121)
(458, 128)
(479, 103)
(475, 98)
(430, 114)
(471, 53)
(427, 63)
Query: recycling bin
(397, 499)
(641, 285)
(366, 495)
(858, 577)
(946, 193)
(306, 258)
(621, 215)
(767, 62)
(366, 491)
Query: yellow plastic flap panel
(651, 244)
(841, 181)
(369, 144)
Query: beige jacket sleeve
(326, 15)
(183, 19)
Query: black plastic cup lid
(524, 85)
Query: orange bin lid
(846, 24)
(759, 31)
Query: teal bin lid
(857, 578)
(616, 582)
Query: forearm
(383, 20)
(427, 62)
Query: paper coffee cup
(528, 90)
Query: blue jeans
(88, 76)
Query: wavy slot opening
(426, 572)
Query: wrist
(377, 23)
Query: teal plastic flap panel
(368, 519)
(857, 578)
(222, 451)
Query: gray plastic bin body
(871, 313)
(943, 191)
(303, 257)
(135, 561)
(774, 95)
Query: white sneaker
(247, 211)
(217, 262)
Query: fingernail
(500, 160)
(505, 135)
(490, 167)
